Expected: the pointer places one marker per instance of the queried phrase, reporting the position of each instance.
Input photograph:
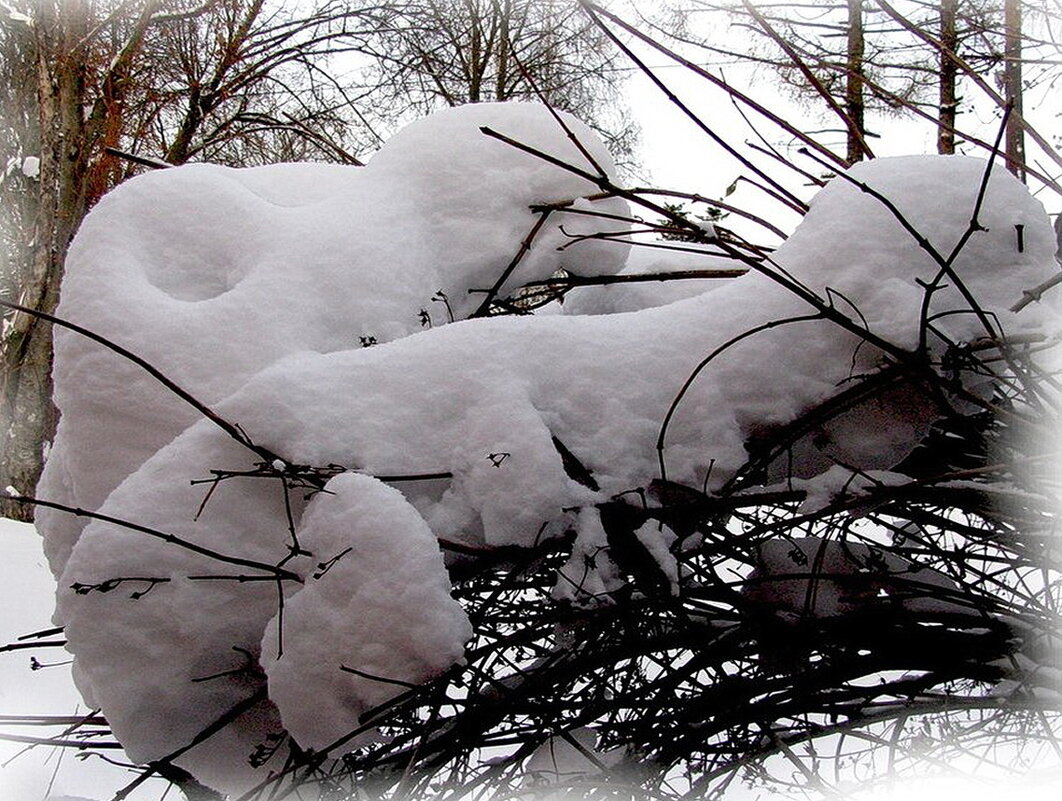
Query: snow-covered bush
(277, 580)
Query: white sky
(678, 156)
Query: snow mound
(377, 607)
(212, 274)
(483, 409)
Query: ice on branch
(253, 290)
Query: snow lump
(212, 274)
(261, 302)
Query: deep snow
(258, 303)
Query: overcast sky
(679, 156)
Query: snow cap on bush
(212, 274)
(481, 406)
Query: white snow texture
(253, 288)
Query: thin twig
(172, 539)
(234, 431)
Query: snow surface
(34, 773)
(809, 577)
(842, 483)
(382, 607)
(212, 274)
(658, 540)
(253, 289)
(31, 167)
(589, 575)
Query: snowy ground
(33, 773)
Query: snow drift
(257, 303)
(212, 274)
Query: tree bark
(74, 172)
(1015, 138)
(27, 347)
(948, 105)
(854, 103)
(501, 78)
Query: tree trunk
(1015, 147)
(853, 95)
(31, 418)
(74, 173)
(501, 77)
(948, 105)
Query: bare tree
(1012, 86)
(69, 145)
(853, 90)
(799, 42)
(18, 145)
(249, 82)
(450, 52)
(948, 103)
(924, 58)
(234, 81)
